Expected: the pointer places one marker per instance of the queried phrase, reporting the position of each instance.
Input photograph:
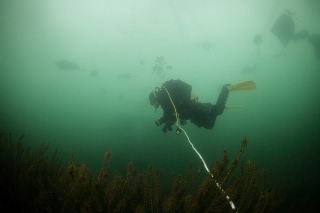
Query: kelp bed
(33, 182)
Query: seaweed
(33, 182)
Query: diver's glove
(159, 122)
(166, 128)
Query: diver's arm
(168, 121)
(160, 121)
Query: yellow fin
(243, 85)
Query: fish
(94, 73)
(66, 65)
(207, 45)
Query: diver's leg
(221, 101)
(205, 114)
(201, 115)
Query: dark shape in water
(94, 73)
(67, 65)
(283, 29)
(257, 39)
(169, 67)
(303, 34)
(289, 13)
(207, 45)
(315, 41)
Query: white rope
(204, 163)
(207, 169)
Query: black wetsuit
(201, 114)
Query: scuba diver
(284, 29)
(174, 97)
(201, 114)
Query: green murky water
(112, 54)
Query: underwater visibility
(160, 106)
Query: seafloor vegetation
(31, 181)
